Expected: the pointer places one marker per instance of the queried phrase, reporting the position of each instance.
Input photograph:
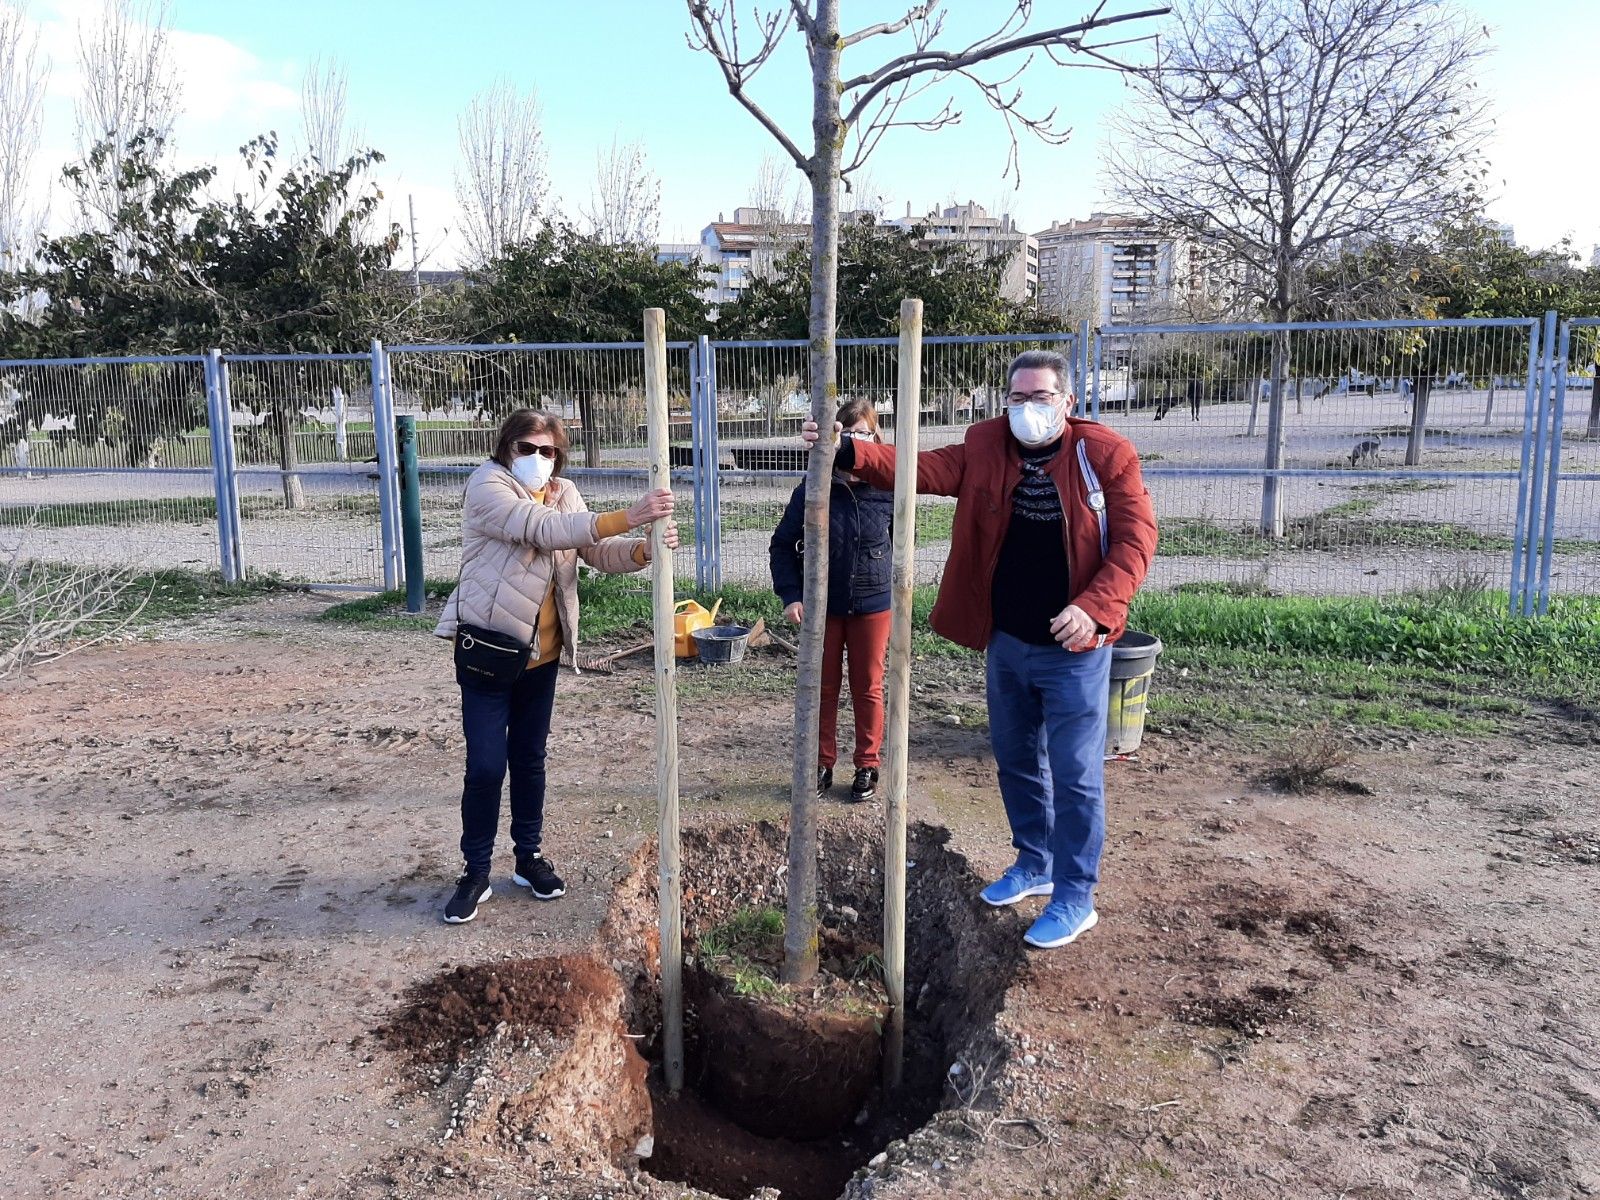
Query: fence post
(383, 440)
(713, 451)
(669, 882)
(1539, 414)
(1098, 350)
(221, 479)
(230, 455)
(1557, 411)
(697, 437)
(341, 441)
(908, 416)
(410, 512)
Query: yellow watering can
(687, 616)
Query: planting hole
(557, 1060)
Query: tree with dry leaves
(1277, 131)
(852, 110)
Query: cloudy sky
(620, 69)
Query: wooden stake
(670, 885)
(897, 725)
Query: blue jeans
(1047, 725)
(505, 729)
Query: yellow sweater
(611, 524)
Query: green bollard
(410, 513)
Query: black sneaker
(865, 785)
(471, 891)
(824, 781)
(536, 874)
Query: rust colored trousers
(863, 640)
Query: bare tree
(850, 114)
(130, 90)
(326, 134)
(1274, 130)
(779, 199)
(625, 202)
(502, 185)
(22, 80)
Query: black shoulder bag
(486, 658)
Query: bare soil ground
(222, 856)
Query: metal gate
(1568, 522)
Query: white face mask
(1037, 423)
(533, 471)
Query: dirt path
(221, 860)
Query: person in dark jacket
(859, 559)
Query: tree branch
(920, 13)
(736, 72)
(947, 62)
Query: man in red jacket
(1053, 535)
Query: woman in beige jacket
(523, 530)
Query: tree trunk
(1272, 485)
(800, 933)
(1299, 397)
(591, 429)
(1255, 408)
(1488, 408)
(1421, 385)
(284, 422)
(1594, 408)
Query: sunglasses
(526, 448)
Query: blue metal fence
(1436, 480)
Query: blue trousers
(1047, 725)
(505, 729)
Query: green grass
(743, 948)
(1445, 662)
(1337, 529)
(387, 610)
(184, 510)
(169, 595)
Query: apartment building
(1110, 269)
(745, 248)
(986, 236)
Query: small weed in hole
(1303, 764)
(745, 949)
(868, 966)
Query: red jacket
(982, 474)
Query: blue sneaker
(1062, 921)
(1016, 884)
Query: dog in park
(1366, 451)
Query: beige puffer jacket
(513, 548)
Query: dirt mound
(534, 1059)
(444, 1015)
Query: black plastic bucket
(721, 644)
